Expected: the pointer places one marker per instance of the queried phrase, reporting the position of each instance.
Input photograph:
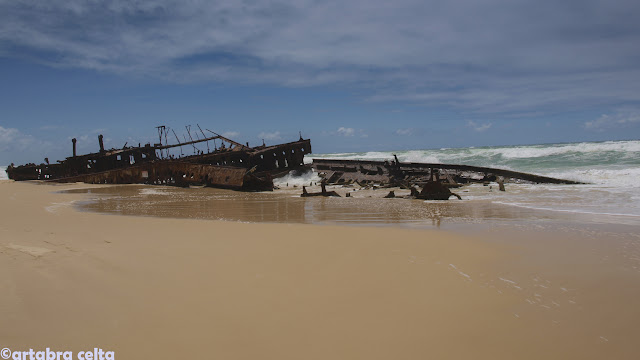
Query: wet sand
(481, 206)
(165, 288)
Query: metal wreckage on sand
(240, 167)
(427, 181)
(233, 166)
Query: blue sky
(351, 75)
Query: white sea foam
(419, 156)
(536, 151)
(298, 180)
(611, 169)
(511, 283)
(612, 163)
(54, 207)
(3, 173)
(630, 148)
(616, 177)
(467, 276)
(153, 191)
(580, 211)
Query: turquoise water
(610, 162)
(612, 169)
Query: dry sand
(151, 288)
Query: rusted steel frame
(162, 147)
(218, 136)
(403, 168)
(499, 172)
(289, 155)
(231, 157)
(116, 166)
(250, 157)
(303, 142)
(174, 173)
(204, 136)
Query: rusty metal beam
(176, 173)
(225, 139)
(162, 147)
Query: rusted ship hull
(337, 171)
(177, 173)
(235, 166)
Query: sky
(351, 75)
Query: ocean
(611, 196)
(605, 163)
(611, 169)
(3, 173)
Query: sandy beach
(162, 288)
(319, 180)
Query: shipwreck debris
(435, 190)
(323, 192)
(404, 175)
(500, 182)
(434, 179)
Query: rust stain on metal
(434, 179)
(233, 166)
(395, 172)
(323, 192)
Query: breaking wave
(298, 179)
(3, 173)
(611, 168)
(614, 163)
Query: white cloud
(270, 135)
(343, 131)
(404, 132)
(231, 134)
(413, 50)
(14, 145)
(620, 118)
(8, 135)
(13, 139)
(478, 127)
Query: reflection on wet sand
(365, 207)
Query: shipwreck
(434, 179)
(217, 162)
